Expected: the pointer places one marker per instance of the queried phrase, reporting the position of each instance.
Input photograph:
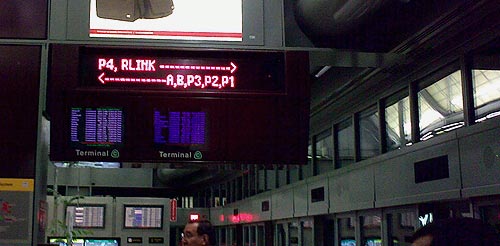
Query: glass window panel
(293, 229)
(329, 232)
(233, 236)
(309, 151)
(253, 180)
(398, 124)
(347, 231)
(262, 180)
(239, 188)
(489, 214)
(271, 179)
(253, 235)
(281, 235)
(324, 151)
(287, 175)
(345, 136)
(282, 177)
(440, 107)
(260, 236)
(307, 232)
(246, 236)
(486, 85)
(306, 170)
(401, 226)
(324, 146)
(371, 230)
(369, 133)
(223, 194)
(245, 184)
(294, 174)
(222, 236)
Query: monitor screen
(143, 217)
(373, 242)
(100, 126)
(179, 128)
(85, 216)
(101, 242)
(348, 242)
(62, 241)
(192, 20)
(59, 241)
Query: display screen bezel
(102, 215)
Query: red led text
(138, 65)
(200, 81)
(106, 64)
(175, 75)
(141, 65)
(178, 81)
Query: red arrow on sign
(231, 68)
(105, 80)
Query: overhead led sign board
(163, 106)
(185, 71)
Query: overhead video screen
(214, 20)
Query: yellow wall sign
(26, 185)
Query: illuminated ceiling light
(322, 71)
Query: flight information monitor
(143, 217)
(96, 126)
(179, 128)
(85, 216)
(159, 105)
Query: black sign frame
(253, 125)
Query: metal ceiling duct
(190, 177)
(319, 18)
(171, 176)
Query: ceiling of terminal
(356, 38)
(371, 26)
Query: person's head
(456, 232)
(198, 233)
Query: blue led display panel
(96, 126)
(179, 128)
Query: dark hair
(205, 227)
(458, 232)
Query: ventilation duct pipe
(319, 18)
